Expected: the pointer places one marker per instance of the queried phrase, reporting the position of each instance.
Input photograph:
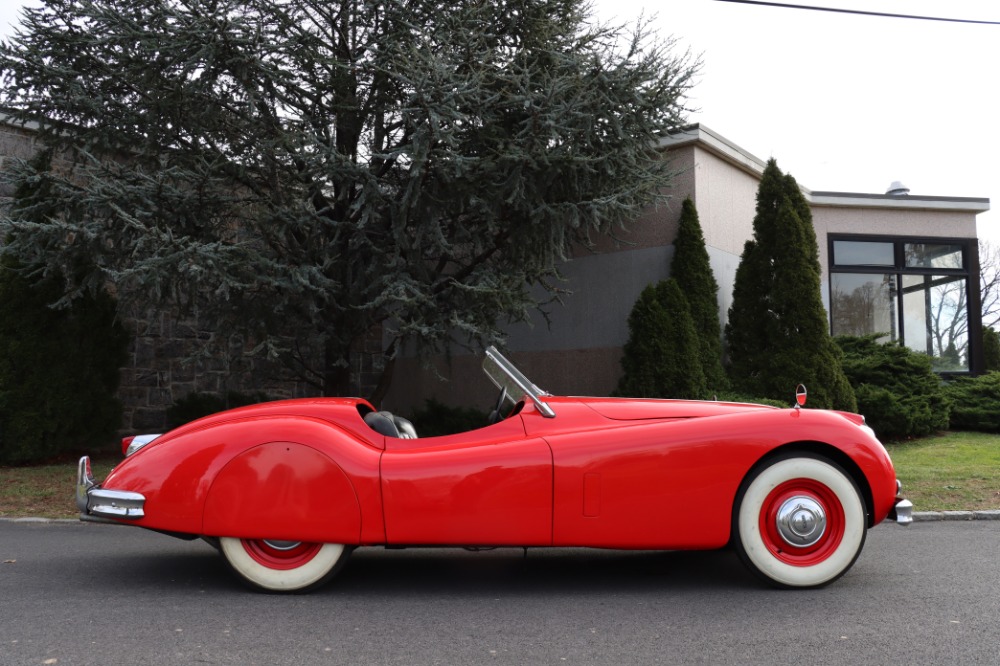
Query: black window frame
(970, 271)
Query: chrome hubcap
(281, 545)
(801, 521)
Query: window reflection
(863, 253)
(863, 304)
(932, 255)
(920, 301)
(935, 320)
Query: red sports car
(288, 489)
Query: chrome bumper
(92, 500)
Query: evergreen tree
(693, 272)
(59, 367)
(778, 333)
(660, 359)
(304, 172)
(991, 349)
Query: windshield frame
(505, 376)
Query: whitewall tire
(799, 521)
(283, 566)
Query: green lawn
(952, 471)
(948, 472)
(44, 491)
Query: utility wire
(785, 5)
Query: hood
(635, 409)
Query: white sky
(850, 103)
(842, 102)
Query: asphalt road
(91, 594)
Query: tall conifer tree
(693, 272)
(778, 333)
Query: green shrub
(196, 405)
(661, 357)
(899, 394)
(436, 419)
(975, 402)
(728, 396)
(59, 370)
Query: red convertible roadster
(286, 490)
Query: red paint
(604, 472)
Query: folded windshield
(503, 373)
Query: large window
(915, 291)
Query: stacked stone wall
(168, 359)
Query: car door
(487, 487)
(662, 484)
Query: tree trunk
(336, 371)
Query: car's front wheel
(799, 521)
(283, 566)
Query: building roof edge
(698, 133)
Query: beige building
(895, 263)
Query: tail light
(132, 444)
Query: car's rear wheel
(283, 566)
(799, 521)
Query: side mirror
(800, 396)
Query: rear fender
(283, 490)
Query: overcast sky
(843, 102)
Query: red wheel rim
(814, 553)
(287, 556)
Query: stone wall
(168, 359)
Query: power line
(785, 5)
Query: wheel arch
(829, 452)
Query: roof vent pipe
(897, 189)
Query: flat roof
(730, 152)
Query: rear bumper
(94, 501)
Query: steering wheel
(495, 415)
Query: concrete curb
(927, 516)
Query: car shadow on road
(446, 571)
(551, 571)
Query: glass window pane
(862, 253)
(936, 320)
(933, 255)
(862, 304)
